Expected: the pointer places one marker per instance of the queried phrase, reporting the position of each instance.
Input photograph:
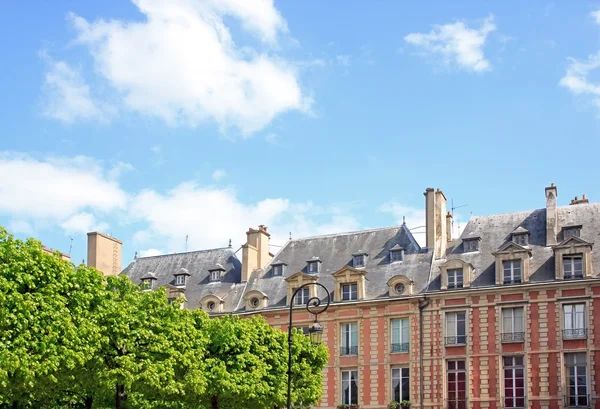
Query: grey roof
(335, 252)
(520, 230)
(149, 275)
(495, 231)
(197, 263)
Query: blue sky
(155, 120)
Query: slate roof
(495, 231)
(197, 264)
(335, 252)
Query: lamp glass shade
(316, 333)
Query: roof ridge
(346, 233)
(540, 209)
(184, 252)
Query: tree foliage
(72, 338)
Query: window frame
(402, 375)
(302, 296)
(572, 258)
(513, 335)
(215, 276)
(514, 368)
(569, 232)
(278, 270)
(352, 290)
(313, 267)
(180, 279)
(398, 333)
(352, 378)
(349, 338)
(512, 269)
(574, 322)
(396, 253)
(471, 245)
(456, 283)
(358, 260)
(147, 284)
(577, 366)
(522, 239)
(456, 372)
(455, 338)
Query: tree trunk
(88, 402)
(118, 396)
(215, 402)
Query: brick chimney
(551, 216)
(435, 225)
(104, 253)
(255, 253)
(577, 201)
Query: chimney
(255, 253)
(104, 253)
(435, 226)
(449, 227)
(551, 216)
(577, 201)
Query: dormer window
(571, 231)
(520, 236)
(216, 273)
(148, 281)
(455, 278)
(277, 268)
(181, 277)
(312, 265)
(396, 253)
(180, 280)
(359, 259)
(471, 244)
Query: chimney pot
(584, 197)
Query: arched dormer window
(456, 274)
(148, 281)
(181, 277)
(212, 304)
(255, 300)
(400, 285)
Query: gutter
(422, 305)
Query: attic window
(180, 279)
(521, 239)
(359, 259)
(471, 244)
(255, 302)
(313, 265)
(278, 267)
(215, 275)
(211, 305)
(396, 254)
(572, 231)
(147, 283)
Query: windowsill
(350, 355)
(512, 337)
(399, 352)
(456, 345)
(512, 341)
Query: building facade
(505, 316)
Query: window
(350, 387)
(211, 305)
(514, 382)
(520, 239)
(350, 338)
(572, 232)
(147, 284)
(455, 278)
(302, 296)
(573, 266)
(349, 292)
(400, 335)
(358, 260)
(180, 279)
(304, 330)
(512, 325)
(574, 327)
(457, 385)
(471, 245)
(254, 302)
(576, 374)
(400, 384)
(278, 270)
(455, 328)
(313, 267)
(400, 288)
(396, 255)
(215, 275)
(512, 271)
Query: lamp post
(315, 331)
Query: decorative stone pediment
(512, 251)
(255, 300)
(511, 247)
(212, 304)
(574, 242)
(456, 263)
(348, 275)
(297, 280)
(400, 285)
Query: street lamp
(315, 331)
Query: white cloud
(54, 190)
(577, 79)
(210, 217)
(83, 223)
(218, 175)
(456, 43)
(20, 226)
(66, 96)
(343, 60)
(150, 253)
(181, 64)
(596, 16)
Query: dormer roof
(182, 272)
(520, 230)
(360, 253)
(217, 267)
(149, 276)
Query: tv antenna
(452, 208)
(186, 241)
(70, 245)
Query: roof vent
(577, 201)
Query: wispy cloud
(456, 43)
(596, 16)
(218, 175)
(577, 78)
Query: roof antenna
(186, 240)
(452, 207)
(404, 220)
(70, 246)
(290, 236)
(135, 255)
(229, 243)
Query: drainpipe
(422, 305)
